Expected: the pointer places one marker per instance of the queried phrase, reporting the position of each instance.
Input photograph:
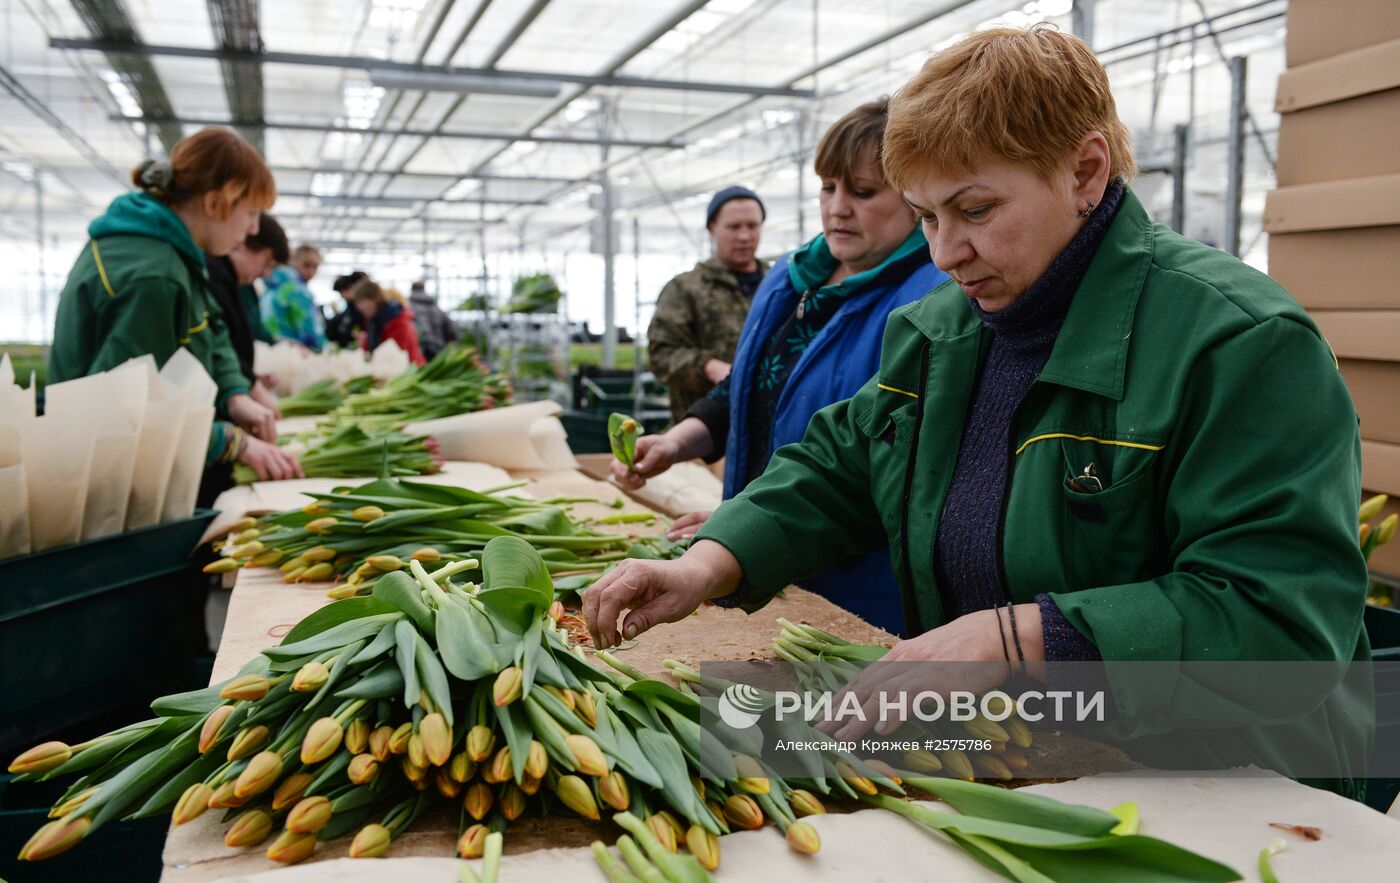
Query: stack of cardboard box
(1334, 221)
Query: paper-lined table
(1226, 819)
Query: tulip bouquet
(351, 452)
(374, 709)
(456, 381)
(359, 534)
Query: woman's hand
(270, 462)
(657, 591)
(263, 396)
(687, 525)
(964, 655)
(253, 417)
(654, 455)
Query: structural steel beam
(110, 23)
(351, 62)
(235, 24)
(456, 134)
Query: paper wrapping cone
(527, 436)
(155, 452)
(14, 515)
(113, 404)
(57, 455)
(388, 361)
(197, 390)
(187, 470)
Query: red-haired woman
(140, 285)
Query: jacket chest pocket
(1112, 530)
(889, 429)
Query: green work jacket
(1226, 529)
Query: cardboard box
(1340, 116)
(1323, 28)
(1354, 269)
(1380, 467)
(1385, 559)
(1361, 334)
(1375, 389)
(1334, 205)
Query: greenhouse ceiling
(419, 126)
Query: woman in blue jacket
(812, 338)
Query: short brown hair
(366, 289)
(212, 160)
(270, 237)
(307, 248)
(841, 147)
(1027, 96)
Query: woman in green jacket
(140, 285)
(1099, 443)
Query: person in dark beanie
(435, 328)
(700, 313)
(341, 328)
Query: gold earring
(1088, 211)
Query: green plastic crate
(95, 626)
(588, 432)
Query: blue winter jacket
(843, 356)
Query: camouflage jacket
(699, 317)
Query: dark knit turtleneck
(966, 561)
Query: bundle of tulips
(359, 534)
(456, 381)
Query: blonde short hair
(1024, 95)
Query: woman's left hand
(256, 419)
(687, 525)
(263, 396)
(967, 655)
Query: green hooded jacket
(140, 286)
(1229, 452)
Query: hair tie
(157, 174)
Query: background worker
(700, 313)
(435, 328)
(288, 310)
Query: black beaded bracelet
(1011, 614)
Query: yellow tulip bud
(472, 843)
(556, 610)
(290, 791)
(318, 554)
(576, 795)
(531, 784)
(884, 770)
(249, 687)
(379, 743)
(247, 742)
(321, 526)
(956, 764)
(921, 761)
(564, 696)
(446, 785)
(854, 779)
(989, 767)
(291, 564)
(385, 563)
(704, 846)
(742, 812)
(310, 815)
(72, 804)
(54, 838)
(316, 573)
(367, 513)
(363, 769)
(266, 558)
(224, 797)
(416, 754)
(803, 838)
(418, 775)
(586, 707)
(192, 803)
(209, 733)
(372, 841)
(222, 565)
(437, 738)
(461, 768)
(310, 677)
(1386, 532)
(508, 686)
(292, 576)
(591, 761)
(398, 742)
(427, 555)
(291, 847)
(357, 736)
(245, 523)
(512, 801)
(478, 800)
(805, 803)
(752, 777)
(614, 791)
(249, 829)
(321, 741)
(261, 774)
(537, 760)
(501, 768)
(481, 741)
(1015, 760)
(1372, 507)
(41, 758)
(663, 831)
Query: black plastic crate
(588, 432)
(96, 626)
(118, 851)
